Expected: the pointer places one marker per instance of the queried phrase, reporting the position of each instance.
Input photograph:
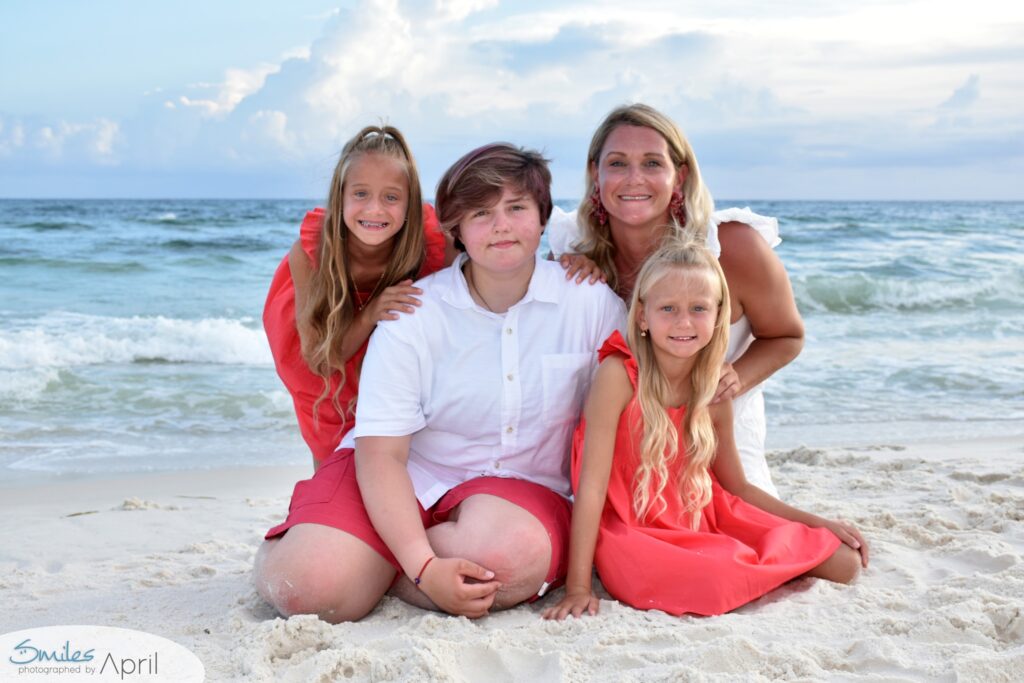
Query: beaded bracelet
(423, 569)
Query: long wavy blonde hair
(332, 306)
(659, 443)
(596, 239)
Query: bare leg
(842, 566)
(316, 569)
(500, 536)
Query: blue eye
(654, 163)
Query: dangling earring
(643, 332)
(598, 211)
(677, 207)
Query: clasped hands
(459, 586)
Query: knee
(299, 586)
(846, 565)
(519, 556)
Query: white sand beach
(171, 554)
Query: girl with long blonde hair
(662, 506)
(352, 266)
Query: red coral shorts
(332, 498)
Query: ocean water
(130, 334)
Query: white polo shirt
(486, 394)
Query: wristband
(419, 576)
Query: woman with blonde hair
(643, 184)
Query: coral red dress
(279, 323)
(739, 553)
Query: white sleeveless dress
(749, 426)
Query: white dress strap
(766, 226)
(562, 232)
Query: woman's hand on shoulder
(850, 535)
(729, 384)
(400, 298)
(574, 603)
(582, 268)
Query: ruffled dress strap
(563, 232)
(310, 232)
(434, 242)
(615, 345)
(765, 226)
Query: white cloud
(455, 10)
(56, 142)
(236, 86)
(820, 83)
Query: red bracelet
(423, 569)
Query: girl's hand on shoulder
(400, 298)
(851, 536)
(729, 384)
(575, 604)
(582, 267)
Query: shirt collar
(544, 285)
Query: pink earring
(597, 208)
(677, 207)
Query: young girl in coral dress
(662, 505)
(352, 266)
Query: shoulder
(767, 227)
(431, 310)
(613, 368)
(597, 294)
(300, 262)
(744, 250)
(610, 391)
(310, 231)
(721, 413)
(437, 283)
(740, 235)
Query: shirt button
(508, 330)
(509, 376)
(509, 429)
(497, 464)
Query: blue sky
(893, 99)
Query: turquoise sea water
(130, 335)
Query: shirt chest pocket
(566, 379)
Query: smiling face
(636, 176)
(679, 312)
(376, 199)
(503, 237)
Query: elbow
(796, 344)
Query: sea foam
(61, 339)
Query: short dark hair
(478, 178)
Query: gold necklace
(355, 290)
